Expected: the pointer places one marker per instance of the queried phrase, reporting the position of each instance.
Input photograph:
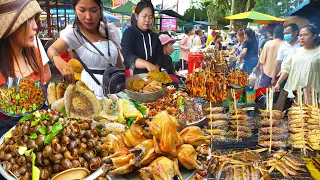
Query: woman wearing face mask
(141, 47)
(249, 52)
(302, 66)
(168, 49)
(95, 41)
(19, 57)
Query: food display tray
(185, 173)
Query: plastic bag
(253, 79)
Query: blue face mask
(288, 37)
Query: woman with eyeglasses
(302, 66)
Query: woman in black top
(141, 48)
(249, 52)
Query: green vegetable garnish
(34, 106)
(56, 128)
(35, 170)
(33, 136)
(63, 111)
(27, 153)
(25, 118)
(130, 121)
(139, 106)
(48, 138)
(181, 101)
(23, 110)
(43, 129)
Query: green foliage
(275, 7)
(107, 3)
(193, 14)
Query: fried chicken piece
(187, 156)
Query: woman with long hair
(19, 56)
(249, 54)
(96, 42)
(217, 42)
(141, 47)
(302, 66)
(185, 46)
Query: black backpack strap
(86, 68)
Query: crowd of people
(287, 57)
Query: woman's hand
(152, 67)
(255, 70)
(274, 81)
(277, 87)
(239, 61)
(64, 68)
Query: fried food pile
(252, 164)
(239, 78)
(218, 123)
(155, 148)
(241, 124)
(211, 80)
(278, 129)
(286, 163)
(177, 104)
(56, 91)
(304, 127)
(209, 85)
(231, 126)
(162, 77)
(155, 81)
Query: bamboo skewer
(211, 139)
(236, 111)
(270, 100)
(302, 121)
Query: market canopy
(125, 8)
(256, 17)
(169, 12)
(71, 12)
(204, 23)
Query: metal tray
(143, 97)
(186, 175)
(21, 115)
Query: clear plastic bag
(253, 79)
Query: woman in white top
(90, 26)
(302, 66)
(185, 46)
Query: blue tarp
(71, 12)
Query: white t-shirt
(90, 56)
(303, 66)
(285, 49)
